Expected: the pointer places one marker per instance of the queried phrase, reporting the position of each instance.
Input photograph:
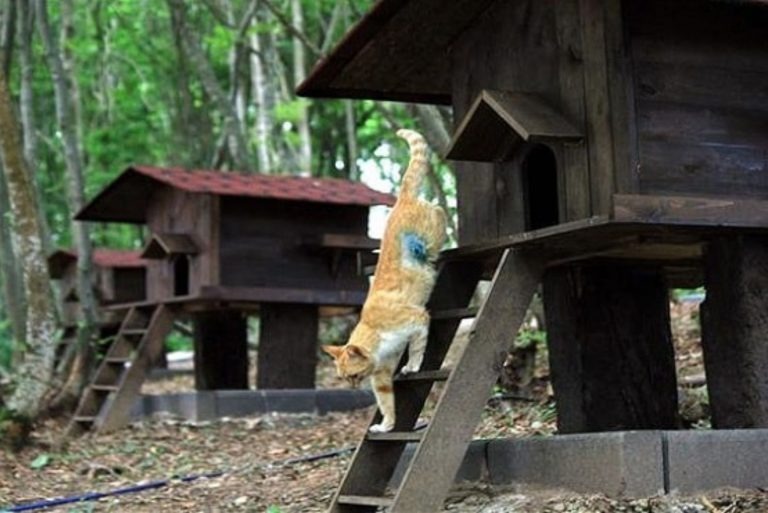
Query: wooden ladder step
(428, 375)
(105, 388)
(395, 436)
(455, 313)
(364, 500)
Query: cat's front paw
(410, 368)
(383, 427)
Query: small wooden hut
(224, 245)
(119, 277)
(622, 144)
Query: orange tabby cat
(394, 314)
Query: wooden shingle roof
(127, 197)
(398, 51)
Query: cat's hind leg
(416, 348)
(385, 398)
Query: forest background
(88, 87)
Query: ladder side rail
(433, 468)
(373, 463)
(118, 406)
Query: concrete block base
(212, 404)
(628, 464)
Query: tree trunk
(13, 292)
(351, 129)
(260, 86)
(299, 74)
(238, 148)
(33, 375)
(66, 111)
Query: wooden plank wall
(175, 211)
(701, 81)
(520, 47)
(262, 244)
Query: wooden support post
(610, 348)
(221, 350)
(734, 325)
(287, 346)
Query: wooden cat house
(609, 149)
(223, 245)
(119, 277)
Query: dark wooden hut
(623, 142)
(223, 245)
(224, 240)
(119, 277)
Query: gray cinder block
(626, 464)
(240, 403)
(473, 468)
(703, 460)
(343, 400)
(290, 401)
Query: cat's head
(353, 363)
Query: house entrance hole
(540, 188)
(181, 276)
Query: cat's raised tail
(417, 167)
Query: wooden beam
(282, 295)
(287, 346)
(221, 350)
(734, 325)
(690, 210)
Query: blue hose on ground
(160, 483)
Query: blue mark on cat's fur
(414, 247)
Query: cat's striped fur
(394, 314)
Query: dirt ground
(252, 453)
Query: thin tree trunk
(231, 127)
(259, 84)
(67, 125)
(26, 30)
(8, 31)
(33, 375)
(13, 293)
(351, 129)
(299, 74)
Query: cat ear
(334, 351)
(355, 352)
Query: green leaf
(273, 509)
(40, 462)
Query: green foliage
(273, 509)
(6, 346)
(177, 341)
(40, 461)
(527, 337)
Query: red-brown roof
(126, 198)
(60, 259)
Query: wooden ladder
(442, 445)
(107, 402)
